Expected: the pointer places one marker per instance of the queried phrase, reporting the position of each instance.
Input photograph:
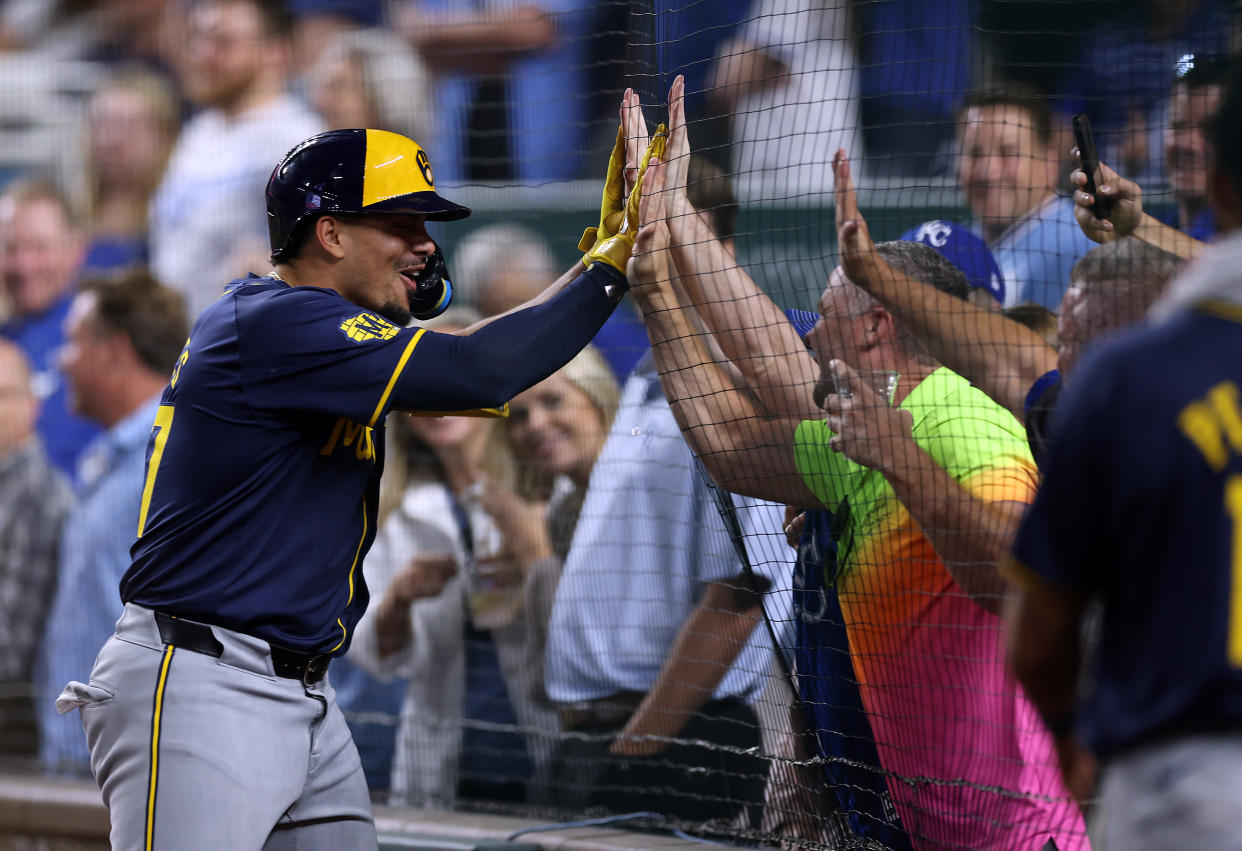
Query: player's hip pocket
(78, 695)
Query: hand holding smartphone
(1085, 141)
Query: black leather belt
(310, 668)
(611, 712)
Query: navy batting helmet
(351, 171)
(361, 171)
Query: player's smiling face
(384, 253)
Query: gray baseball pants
(1182, 793)
(196, 752)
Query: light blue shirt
(1038, 252)
(648, 540)
(94, 555)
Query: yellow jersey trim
(396, 373)
(156, 720)
(353, 567)
(501, 413)
(1221, 309)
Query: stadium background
(909, 65)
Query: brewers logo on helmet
(360, 171)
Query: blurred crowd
(572, 569)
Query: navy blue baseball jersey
(1141, 506)
(265, 458)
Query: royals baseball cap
(964, 250)
(802, 320)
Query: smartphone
(1085, 141)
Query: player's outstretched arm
(568, 277)
(751, 330)
(1125, 201)
(496, 360)
(487, 368)
(743, 448)
(1043, 640)
(999, 356)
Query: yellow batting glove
(612, 241)
(610, 207)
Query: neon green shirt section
(960, 427)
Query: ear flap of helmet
(434, 290)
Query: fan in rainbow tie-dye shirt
(969, 763)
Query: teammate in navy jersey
(209, 717)
(1141, 511)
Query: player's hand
(1123, 197)
(649, 264)
(859, 259)
(424, 576)
(612, 241)
(866, 428)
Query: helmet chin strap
(433, 290)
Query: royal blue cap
(802, 320)
(965, 251)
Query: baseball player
(209, 716)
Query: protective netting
(701, 574)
